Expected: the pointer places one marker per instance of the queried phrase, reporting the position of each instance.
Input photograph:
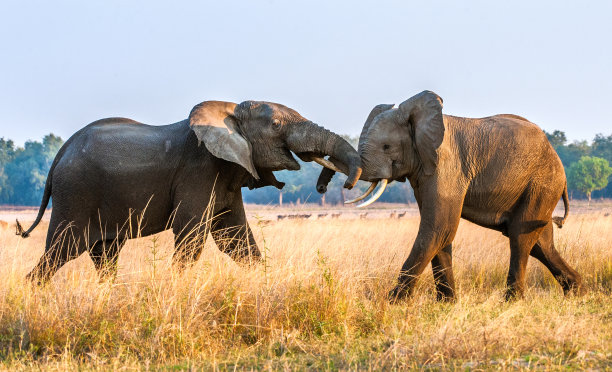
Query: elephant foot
(37, 279)
(446, 297)
(573, 287)
(513, 294)
(398, 294)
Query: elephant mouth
(383, 185)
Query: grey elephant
(117, 178)
(498, 172)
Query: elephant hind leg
(524, 230)
(63, 244)
(442, 267)
(544, 250)
(105, 256)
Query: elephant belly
(496, 220)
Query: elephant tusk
(365, 194)
(326, 163)
(377, 194)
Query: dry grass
(317, 302)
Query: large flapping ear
(375, 111)
(214, 123)
(424, 113)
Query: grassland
(316, 302)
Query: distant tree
(573, 152)
(602, 148)
(7, 154)
(27, 172)
(556, 138)
(588, 174)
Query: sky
(64, 64)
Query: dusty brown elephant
(117, 178)
(499, 172)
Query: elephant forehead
(383, 128)
(271, 110)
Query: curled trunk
(309, 140)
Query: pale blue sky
(64, 64)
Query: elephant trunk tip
(353, 177)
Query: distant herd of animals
(116, 175)
(320, 216)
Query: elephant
(498, 172)
(117, 178)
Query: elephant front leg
(439, 222)
(188, 244)
(234, 237)
(442, 267)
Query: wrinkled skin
(499, 172)
(117, 178)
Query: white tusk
(327, 164)
(377, 194)
(368, 192)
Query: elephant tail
(46, 194)
(41, 210)
(560, 220)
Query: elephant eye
(276, 122)
(386, 147)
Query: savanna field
(317, 301)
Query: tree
(588, 174)
(7, 154)
(572, 153)
(27, 170)
(556, 138)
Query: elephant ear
(215, 124)
(424, 113)
(375, 111)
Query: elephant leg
(233, 235)
(519, 254)
(524, 230)
(442, 267)
(105, 256)
(544, 250)
(62, 245)
(188, 243)
(436, 231)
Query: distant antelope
(321, 215)
(4, 224)
(335, 215)
(400, 215)
(393, 214)
(299, 216)
(281, 217)
(363, 215)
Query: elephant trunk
(309, 141)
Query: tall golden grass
(317, 301)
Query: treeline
(587, 166)
(23, 172)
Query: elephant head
(398, 143)
(260, 137)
